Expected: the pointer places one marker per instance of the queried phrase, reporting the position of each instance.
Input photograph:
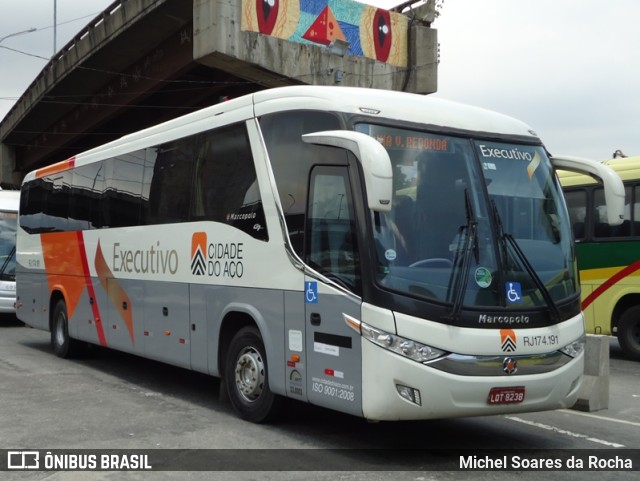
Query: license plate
(506, 395)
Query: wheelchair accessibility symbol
(514, 292)
(311, 292)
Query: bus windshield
(8, 222)
(473, 223)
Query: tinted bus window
(601, 228)
(577, 205)
(225, 187)
(292, 160)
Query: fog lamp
(410, 394)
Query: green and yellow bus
(608, 256)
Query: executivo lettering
(153, 260)
(512, 153)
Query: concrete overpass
(141, 62)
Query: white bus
(383, 254)
(9, 200)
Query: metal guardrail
(118, 5)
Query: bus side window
(577, 205)
(635, 219)
(225, 185)
(169, 166)
(331, 243)
(601, 228)
(292, 160)
(122, 195)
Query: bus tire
(63, 346)
(629, 333)
(247, 380)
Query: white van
(9, 201)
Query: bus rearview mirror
(613, 186)
(376, 165)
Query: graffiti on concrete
(369, 31)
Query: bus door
(333, 350)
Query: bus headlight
(575, 348)
(405, 347)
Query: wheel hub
(249, 374)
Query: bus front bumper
(397, 388)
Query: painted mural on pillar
(371, 32)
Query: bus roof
(365, 102)
(628, 168)
(417, 108)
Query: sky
(570, 69)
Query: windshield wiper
(470, 233)
(504, 238)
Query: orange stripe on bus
(63, 265)
(116, 293)
(613, 280)
(92, 295)
(67, 269)
(55, 168)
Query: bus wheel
(629, 332)
(63, 346)
(246, 376)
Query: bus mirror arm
(613, 187)
(376, 165)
